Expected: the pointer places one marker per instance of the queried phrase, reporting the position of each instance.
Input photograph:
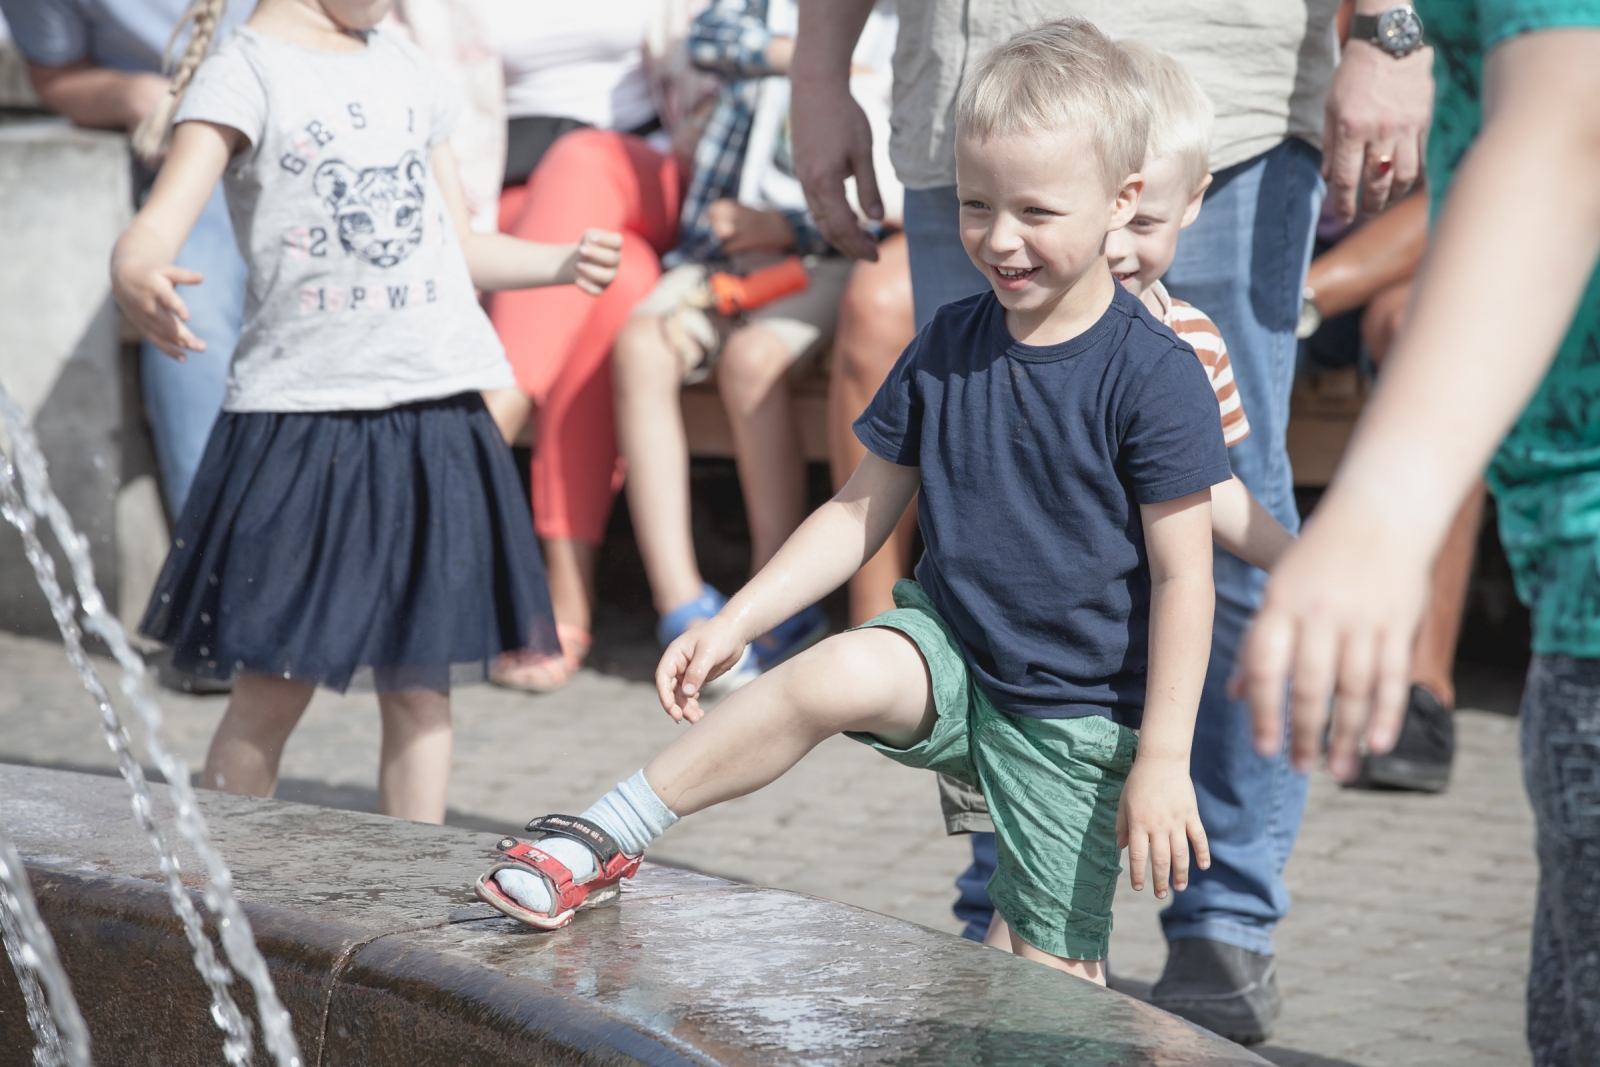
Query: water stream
(63, 1040)
(22, 506)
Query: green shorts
(1052, 786)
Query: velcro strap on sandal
(582, 831)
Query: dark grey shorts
(1561, 770)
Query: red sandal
(567, 896)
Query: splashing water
(20, 509)
(52, 1009)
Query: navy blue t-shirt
(1034, 463)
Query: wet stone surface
(382, 956)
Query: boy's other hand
(594, 261)
(1157, 819)
(748, 229)
(696, 657)
(148, 295)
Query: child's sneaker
(566, 894)
(789, 638)
(686, 616)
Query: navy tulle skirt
(390, 549)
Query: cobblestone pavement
(1407, 944)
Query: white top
(578, 60)
(358, 296)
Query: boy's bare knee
(872, 681)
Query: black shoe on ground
(178, 681)
(1230, 991)
(1421, 759)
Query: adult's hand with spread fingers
(832, 138)
(1490, 310)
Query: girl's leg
(414, 767)
(650, 428)
(753, 377)
(875, 325)
(245, 750)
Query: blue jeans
(1243, 262)
(182, 399)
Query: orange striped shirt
(1195, 328)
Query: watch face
(1399, 31)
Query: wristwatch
(1397, 30)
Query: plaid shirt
(729, 39)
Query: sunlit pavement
(1407, 944)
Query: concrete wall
(65, 195)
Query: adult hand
(1338, 617)
(832, 137)
(1376, 127)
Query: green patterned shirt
(1546, 475)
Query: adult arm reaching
(832, 138)
(1491, 308)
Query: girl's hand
(696, 657)
(594, 261)
(148, 295)
(1157, 819)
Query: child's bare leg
(866, 680)
(869, 681)
(648, 374)
(753, 379)
(1092, 970)
(414, 768)
(245, 750)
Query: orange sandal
(534, 672)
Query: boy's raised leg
(870, 681)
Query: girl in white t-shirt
(356, 518)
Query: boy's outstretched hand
(696, 657)
(1157, 819)
(148, 295)
(594, 261)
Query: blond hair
(1063, 73)
(1180, 111)
(200, 18)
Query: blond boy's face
(1140, 253)
(1035, 212)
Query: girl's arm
(1242, 526)
(499, 261)
(144, 279)
(1158, 815)
(1489, 311)
(830, 546)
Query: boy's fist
(148, 295)
(594, 261)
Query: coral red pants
(559, 339)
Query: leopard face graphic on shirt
(359, 295)
(379, 210)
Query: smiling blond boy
(1062, 445)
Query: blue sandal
(790, 637)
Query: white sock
(631, 813)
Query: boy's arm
(1158, 816)
(1242, 526)
(498, 261)
(144, 279)
(820, 556)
